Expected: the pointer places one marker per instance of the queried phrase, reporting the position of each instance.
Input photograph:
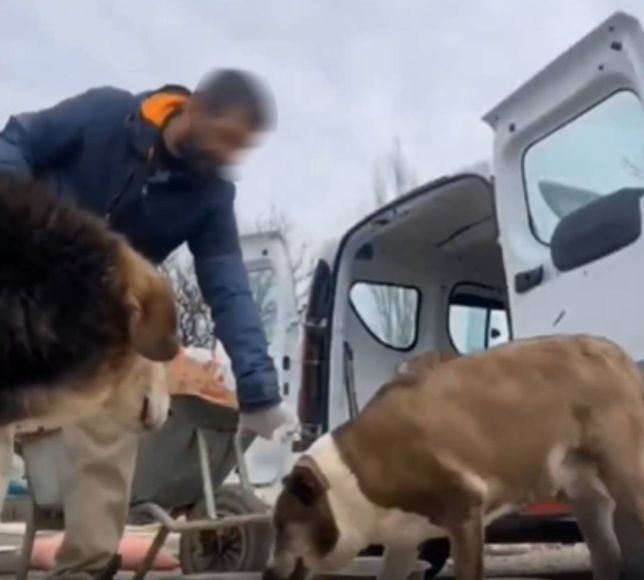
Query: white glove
(266, 421)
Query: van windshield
(595, 154)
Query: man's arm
(32, 142)
(225, 287)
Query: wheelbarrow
(178, 483)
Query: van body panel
(566, 143)
(271, 278)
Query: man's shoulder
(109, 94)
(100, 103)
(116, 95)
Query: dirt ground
(524, 562)
(537, 562)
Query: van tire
(436, 554)
(235, 549)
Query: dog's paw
(141, 402)
(155, 410)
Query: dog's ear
(306, 482)
(303, 485)
(153, 318)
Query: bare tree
(635, 167)
(195, 323)
(393, 176)
(263, 287)
(396, 307)
(195, 326)
(301, 263)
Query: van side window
(388, 312)
(594, 155)
(476, 322)
(263, 287)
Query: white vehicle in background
(273, 287)
(551, 243)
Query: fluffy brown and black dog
(85, 320)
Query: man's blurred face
(212, 141)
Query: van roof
(329, 248)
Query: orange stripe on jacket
(157, 108)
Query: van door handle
(528, 279)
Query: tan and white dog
(452, 446)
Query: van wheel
(436, 554)
(235, 549)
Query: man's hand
(266, 421)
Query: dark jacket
(98, 148)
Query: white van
(551, 243)
(267, 262)
(271, 279)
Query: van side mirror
(597, 229)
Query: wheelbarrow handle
(240, 457)
(206, 472)
(206, 475)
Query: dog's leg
(594, 509)
(398, 562)
(624, 478)
(6, 460)
(629, 527)
(467, 539)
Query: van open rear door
(569, 169)
(313, 396)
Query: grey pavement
(502, 562)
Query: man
(154, 165)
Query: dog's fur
(78, 306)
(86, 323)
(453, 444)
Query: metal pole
(206, 475)
(152, 553)
(204, 459)
(241, 460)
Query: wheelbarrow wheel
(436, 554)
(234, 549)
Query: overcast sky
(350, 76)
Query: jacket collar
(153, 110)
(144, 125)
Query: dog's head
(307, 536)
(152, 309)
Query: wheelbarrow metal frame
(170, 524)
(48, 517)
